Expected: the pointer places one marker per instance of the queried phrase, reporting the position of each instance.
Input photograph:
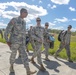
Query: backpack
(61, 33)
(51, 38)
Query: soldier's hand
(9, 44)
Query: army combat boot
(70, 60)
(55, 56)
(31, 72)
(27, 50)
(42, 68)
(32, 60)
(11, 69)
(47, 59)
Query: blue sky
(59, 13)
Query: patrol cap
(69, 26)
(46, 24)
(38, 19)
(23, 10)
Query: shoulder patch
(12, 21)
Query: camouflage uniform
(46, 42)
(38, 32)
(16, 29)
(30, 32)
(65, 39)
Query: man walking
(65, 43)
(38, 32)
(16, 28)
(30, 32)
(46, 40)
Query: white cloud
(58, 28)
(60, 1)
(54, 26)
(3, 7)
(64, 19)
(2, 25)
(49, 5)
(74, 19)
(9, 14)
(72, 9)
(34, 11)
(40, 1)
(73, 29)
(51, 24)
(54, 6)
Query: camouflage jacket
(15, 31)
(47, 33)
(66, 37)
(38, 33)
(30, 32)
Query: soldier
(46, 40)
(16, 27)
(30, 32)
(65, 43)
(38, 32)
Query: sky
(58, 13)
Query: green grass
(62, 54)
(2, 40)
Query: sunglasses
(38, 20)
(46, 25)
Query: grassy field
(62, 54)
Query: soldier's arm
(9, 29)
(47, 34)
(29, 33)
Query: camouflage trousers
(46, 46)
(32, 44)
(37, 52)
(24, 57)
(67, 47)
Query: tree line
(58, 31)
